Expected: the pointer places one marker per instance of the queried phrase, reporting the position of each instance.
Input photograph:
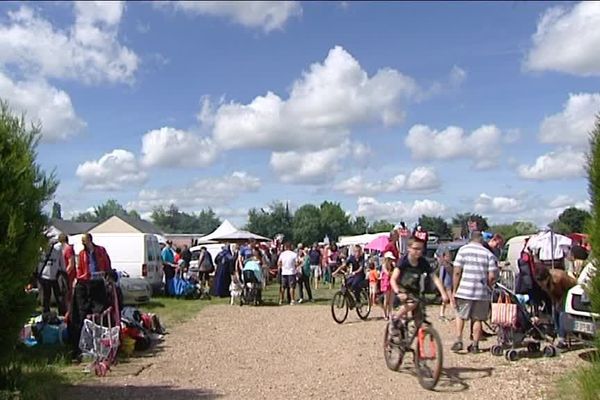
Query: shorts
(373, 288)
(288, 281)
(315, 270)
(477, 310)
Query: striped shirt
(476, 262)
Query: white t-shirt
(55, 263)
(288, 262)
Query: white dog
(235, 289)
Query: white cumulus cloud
(482, 145)
(371, 209)
(573, 125)
(88, 51)
(566, 40)
(560, 164)
(268, 15)
(116, 170)
(170, 147)
(215, 192)
(420, 179)
(498, 205)
(322, 107)
(43, 104)
(315, 167)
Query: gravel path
(298, 352)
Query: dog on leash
(235, 289)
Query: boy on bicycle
(407, 275)
(356, 276)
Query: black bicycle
(344, 300)
(427, 351)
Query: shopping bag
(504, 313)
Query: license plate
(584, 327)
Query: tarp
(378, 244)
(360, 239)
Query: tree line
(313, 223)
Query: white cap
(390, 255)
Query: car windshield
(195, 255)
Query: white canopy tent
(226, 228)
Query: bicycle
(343, 300)
(399, 339)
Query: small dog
(235, 289)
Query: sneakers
(300, 301)
(457, 346)
(280, 302)
(292, 303)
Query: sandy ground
(299, 352)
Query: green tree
(435, 224)
(110, 208)
(277, 219)
(359, 225)
(207, 221)
(381, 225)
(307, 224)
(593, 170)
(570, 220)
(86, 217)
(56, 211)
(334, 221)
(515, 229)
(24, 190)
(462, 221)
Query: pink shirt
(385, 281)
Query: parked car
(135, 290)
(578, 318)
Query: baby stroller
(252, 288)
(517, 326)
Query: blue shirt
(167, 255)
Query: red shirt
(391, 246)
(68, 254)
(102, 263)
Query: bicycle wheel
(429, 357)
(363, 306)
(392, 352)
(339, 307)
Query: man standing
(52, 263)
(186, 256)
(475, 270)
(168, 260)
(495, 245)
(314, 256)
(69, 256)
(287, 270)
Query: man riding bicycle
(407, 275)
(356, 277)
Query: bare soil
(299, 352)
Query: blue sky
(393, 109)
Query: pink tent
(378, 243)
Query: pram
(252, 288)
(100, 334)
(527, 330)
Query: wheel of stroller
(496, 350)
(549, 351)
(511, 355)
(533, 347)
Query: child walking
(386, 289)
(446, 272)
(373, 281)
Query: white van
(138, 254)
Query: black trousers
(304, 283)
(48, 287)
(169, 275)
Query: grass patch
(582, 384)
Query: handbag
(504, 312)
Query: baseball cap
(390, 255)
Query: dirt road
(298, 352)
